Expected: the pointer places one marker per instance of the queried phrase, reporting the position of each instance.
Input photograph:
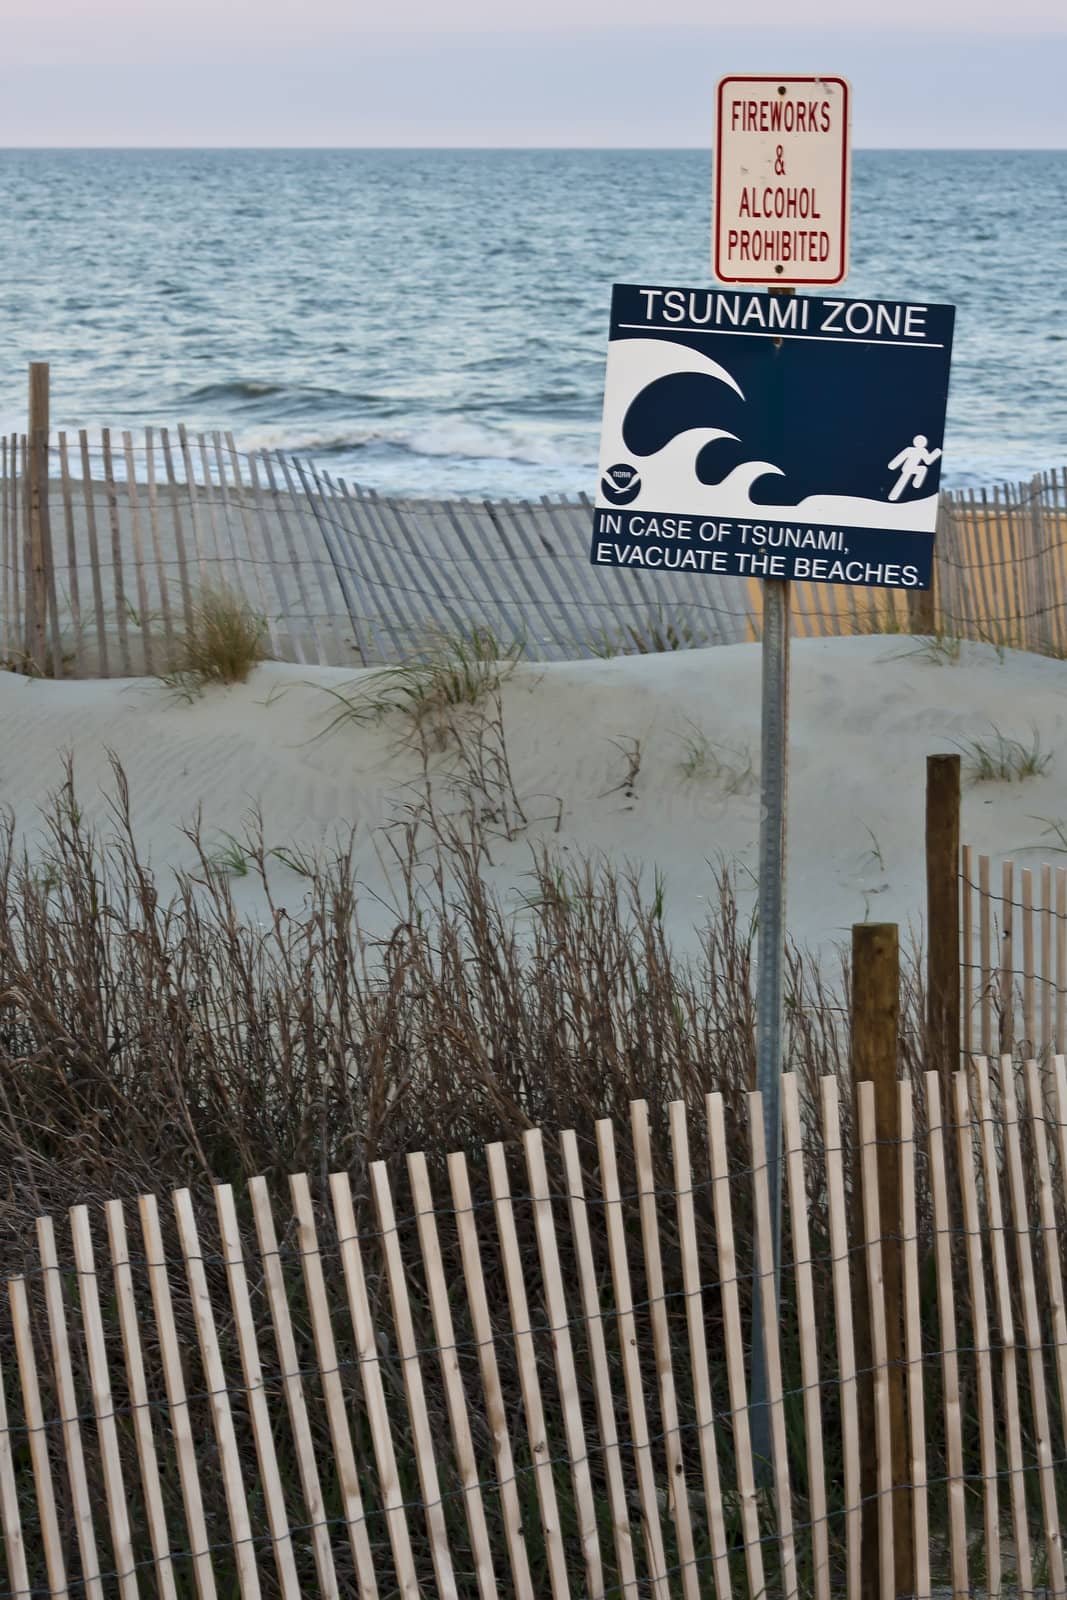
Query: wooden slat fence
(137, 525)
(1014, 943)
(525, 1371)
(342, 575)
(1001, 564)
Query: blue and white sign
(772, 436)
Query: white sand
(866, 712)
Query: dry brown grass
(149, 1037)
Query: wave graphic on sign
(669, 481)
(732, 498)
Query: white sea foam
(438, 438)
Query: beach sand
(866, 713)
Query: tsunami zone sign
(768, 436)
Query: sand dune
(866, 712)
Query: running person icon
(913, 461)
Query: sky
(955, 73)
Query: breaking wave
(444, 439)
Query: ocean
(435, 322)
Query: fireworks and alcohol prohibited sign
(780, 204)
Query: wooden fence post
(874, 1058)
(943, 918)
(37, 512)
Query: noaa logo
(620, 485)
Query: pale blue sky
(561, 72)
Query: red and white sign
(781, 193)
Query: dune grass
(225, 640)
(658, 631)
(1001, 759)
(728, 767)
(448, 674)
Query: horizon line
(533, 149)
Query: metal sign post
(770, 957)
(774, 783)
(782, 180)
